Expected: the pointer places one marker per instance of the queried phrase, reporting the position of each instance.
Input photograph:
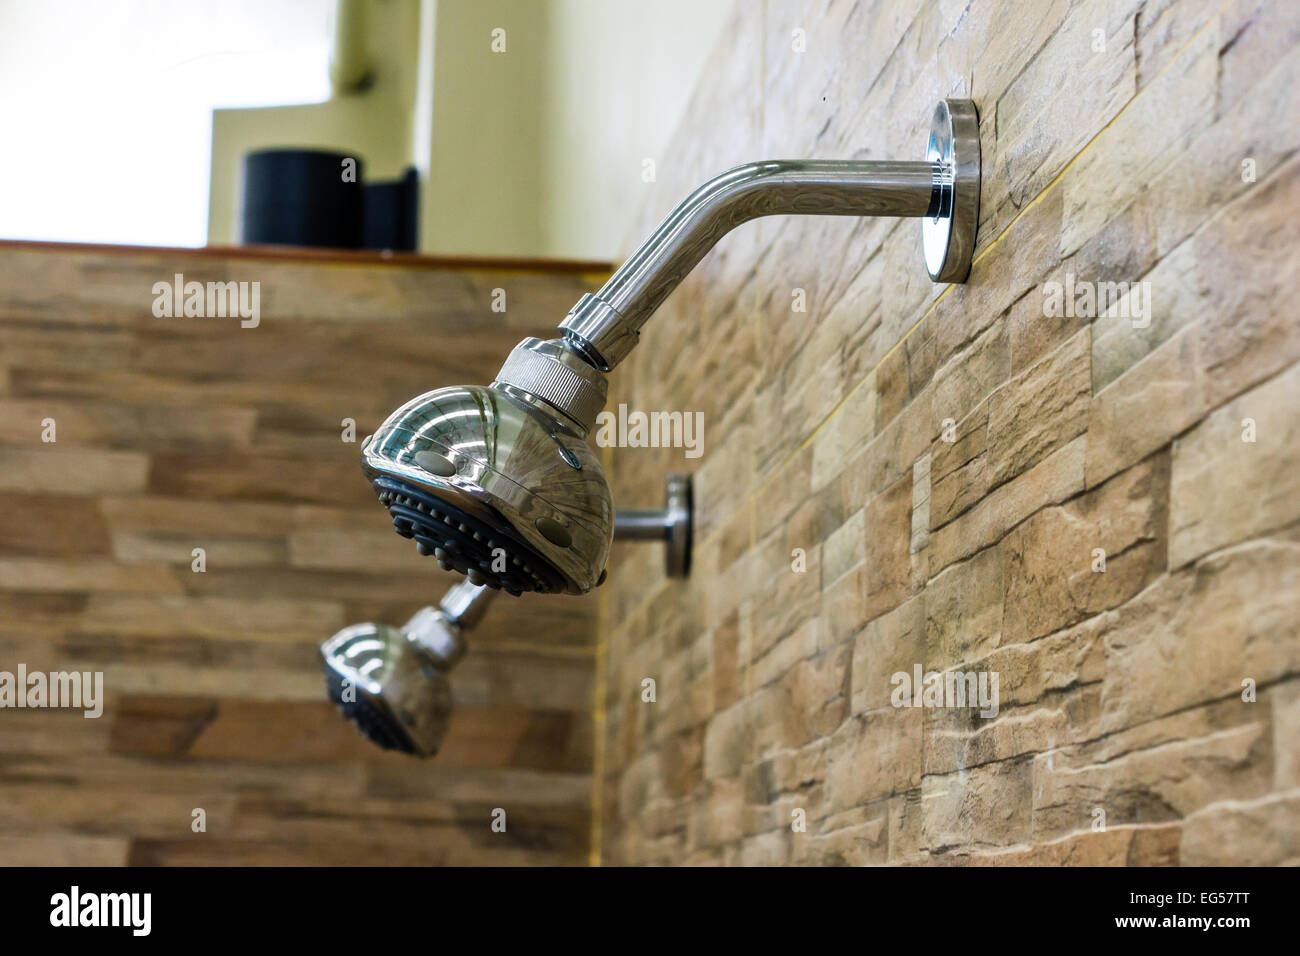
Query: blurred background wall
(181, 433)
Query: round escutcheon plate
(949, 236)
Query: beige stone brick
(1158, 398)
(1262, 832)
(1051, 560)
(1195, 634)
(1225, 489)
(1054, 479)
(1000, 795)
(1039, 410)
(891, 643)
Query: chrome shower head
(393, 684)
(498, 483)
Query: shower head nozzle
(498, 482)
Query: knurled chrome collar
(551, 372)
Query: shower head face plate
(487, 554)
(509, 495)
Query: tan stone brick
(1119, 846)
(920, 503)
(724, 742)
(1054, 479)
(845, 605)
(1000, 795)
(818, 691)
(956, 738)
(838, 441)
(1225, 489)
(963, 611)
(888, 523)
(893, 642)
(1039, 116)
(1139, 143)
(874, 754)
(1286, 735)
(1157, 399)
(1152, 785)
(726, 663)
(1262, 832)
(1250, 326)
(1207, 175)
(1121, 688)
(892, 452)
(844, 549)
(1194, 635)
(905, 820)
(683, 763)
(1039, 410)
(776, 662)
(959, 474)
(861, 842)
(56, 470)
(971, 375)
(1051, 560)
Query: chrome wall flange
(948, 237)
(671, 525)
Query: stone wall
(908, 474)
(182, 433)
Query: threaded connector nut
(553, 373)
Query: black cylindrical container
(302, 197)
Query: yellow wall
(375, 125)
(536, 151)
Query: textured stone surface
(1092, 553)
(195, 433)
(1225, 488)
(955, 464)
(1039, 410)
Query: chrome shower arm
(440, 630)
(605, 326)
(943, 190)
(465, 603)
(641, 524)
(671, 524)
